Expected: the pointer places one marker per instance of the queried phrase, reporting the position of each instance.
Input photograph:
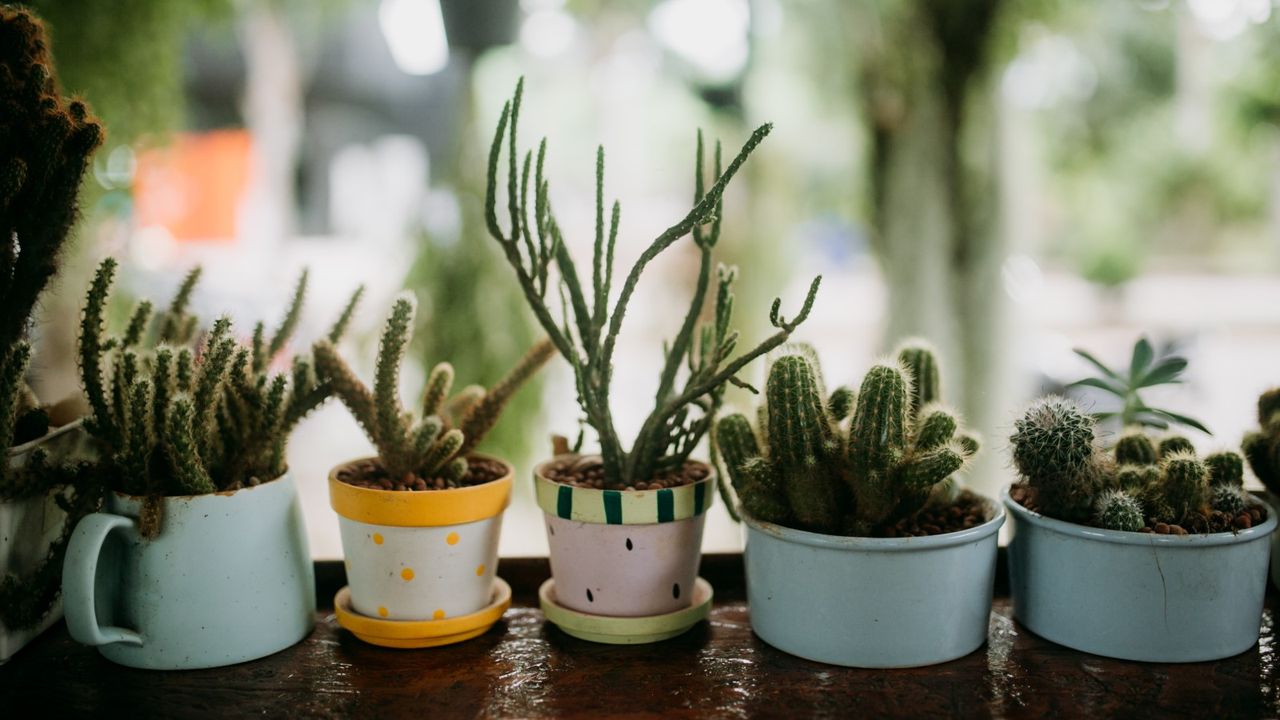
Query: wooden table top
(524, 667)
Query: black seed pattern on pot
(629, 545)
(675, 591)
(590, 597)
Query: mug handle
(79, 571)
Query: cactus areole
(698, 362)
(1140, 485)
(847, 463)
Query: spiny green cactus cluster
(45, 145)
(436, 442)
(1139, 482)
(585, 331)
(813, 467)
(1262, 446)
(181, 416)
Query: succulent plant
(45, 145)
(585, 330)
(811, 470)
(1262, 446)
(177, 415)
(436, 442)
(1145, 370)
(1075, 479)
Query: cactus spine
(814, 474)
(435, 444)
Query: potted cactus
(45, 145)
(200, 558)
(862, 549)
(625, 525)
(1142, 551)
(420, 522)
(1262, 449)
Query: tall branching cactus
(1074, 479)
(434, 443)
(45, 145)
(585, 331)
(179, 417)
(815, 468)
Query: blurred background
(1009, 179)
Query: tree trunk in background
(273, 113)
(924, 76)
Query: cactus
(1074, 479)
(585, 330)
(1053, 450)
(177, 416)
(814, 474)
(45, 145)
(1262, 446)
(1118, 510)
(435, 443)
(1135, 448)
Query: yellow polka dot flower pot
(629, 556)
(421, 565)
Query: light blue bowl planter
(1138, 596)
(228, 579)
(872, 602)
(1270, 499)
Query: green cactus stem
(813, 473)
(1054, 451)
(699, 361)
(1185, 484)
(1174, 445)
(435, 444)
(1262, 446)
(1135, 448)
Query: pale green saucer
(626, 630)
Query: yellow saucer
(626, 630)
(421, 633)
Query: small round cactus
(1228, 499)
(1225, 468)
(1135, 448)
(1053, 448)
(1173, 445)
(1118, 510)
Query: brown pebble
(1145, 529)
(1177, 530)
(1162, 529)
(1244, 521)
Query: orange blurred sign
(193, 187)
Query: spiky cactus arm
(803, 450)
(1118, 510)
(1262, 447)
(920, 362)
(878, 445)
(13, 366)
(139, 435)
(1268, 406)
(766, 498)
(1228, 499)
(439, 383)
(1225, 468)
(1185, 482)
(483, 415)
(1134, 478)
(388, 415)
(1174, 445)
(339, 327)
(92, 349)
(350, 390)
(174, 323)
(1054, 451)
(189, 474)
(288, 324)
(588, 336)
(1135, 448)
(737, 444)
(45, 145)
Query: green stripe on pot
(624, 507)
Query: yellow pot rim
(420, 508)
(421, 630)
